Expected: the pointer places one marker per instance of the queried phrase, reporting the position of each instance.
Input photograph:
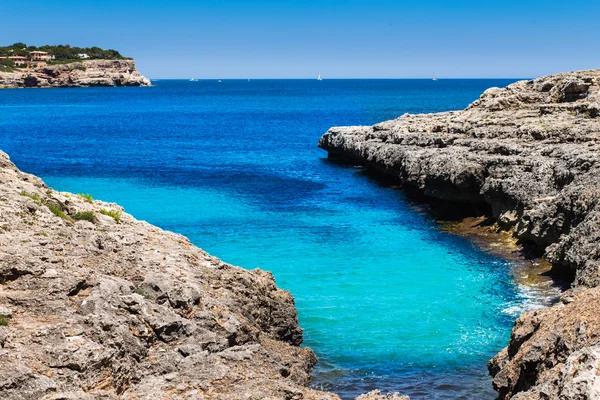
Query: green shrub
(116, 215)
(86, 197)
(56, 210)
(7, 65)
(32, 196)
(3, 320)
(84, 216)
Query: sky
(338, 39)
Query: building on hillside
(83, 56)
(26, 62)
(40, 56)
(18, 60)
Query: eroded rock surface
(78, 74)
(554, 352)
(529, 153)
(98, 308)
(377, 395)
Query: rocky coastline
(95, 304)
(527, 155)
(77, 74)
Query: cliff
(78, 74)
(528, 154)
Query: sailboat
(434, 78)
(193, 80)
(319, 77)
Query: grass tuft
(3, 320)
(84, 216)
(86, 197)
(32, 196)
(56, 210)
(116, 215)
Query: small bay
(386, 299)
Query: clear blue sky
(341, 39)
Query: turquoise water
(386, 300)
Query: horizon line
(331, 79)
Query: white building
(83, 56)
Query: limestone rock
(578, 378)
(377, 395)
(127, 310)
(78, 74)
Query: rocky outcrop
(377, 395)
(97, 305)
(553, 353)
(78, 74)
(528, 154)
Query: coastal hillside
(528, 156)
(19, 56)
(65, 66)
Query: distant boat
(319, 77)
(193, 80)
(434, 78)
(219, 81)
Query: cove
(386, 299)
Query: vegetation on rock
(62, 52)
(56, 210)
(86, 197)
(84, 216)
(116, 215)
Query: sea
(387, 300)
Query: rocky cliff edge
(529, 154)
(97, 305)
(78, 74)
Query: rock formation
(95, 304)
(377, 395)
(527, 153)
(78, 74)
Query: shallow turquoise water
(385, 298)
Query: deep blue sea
(386, 299)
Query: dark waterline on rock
(386, 299)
